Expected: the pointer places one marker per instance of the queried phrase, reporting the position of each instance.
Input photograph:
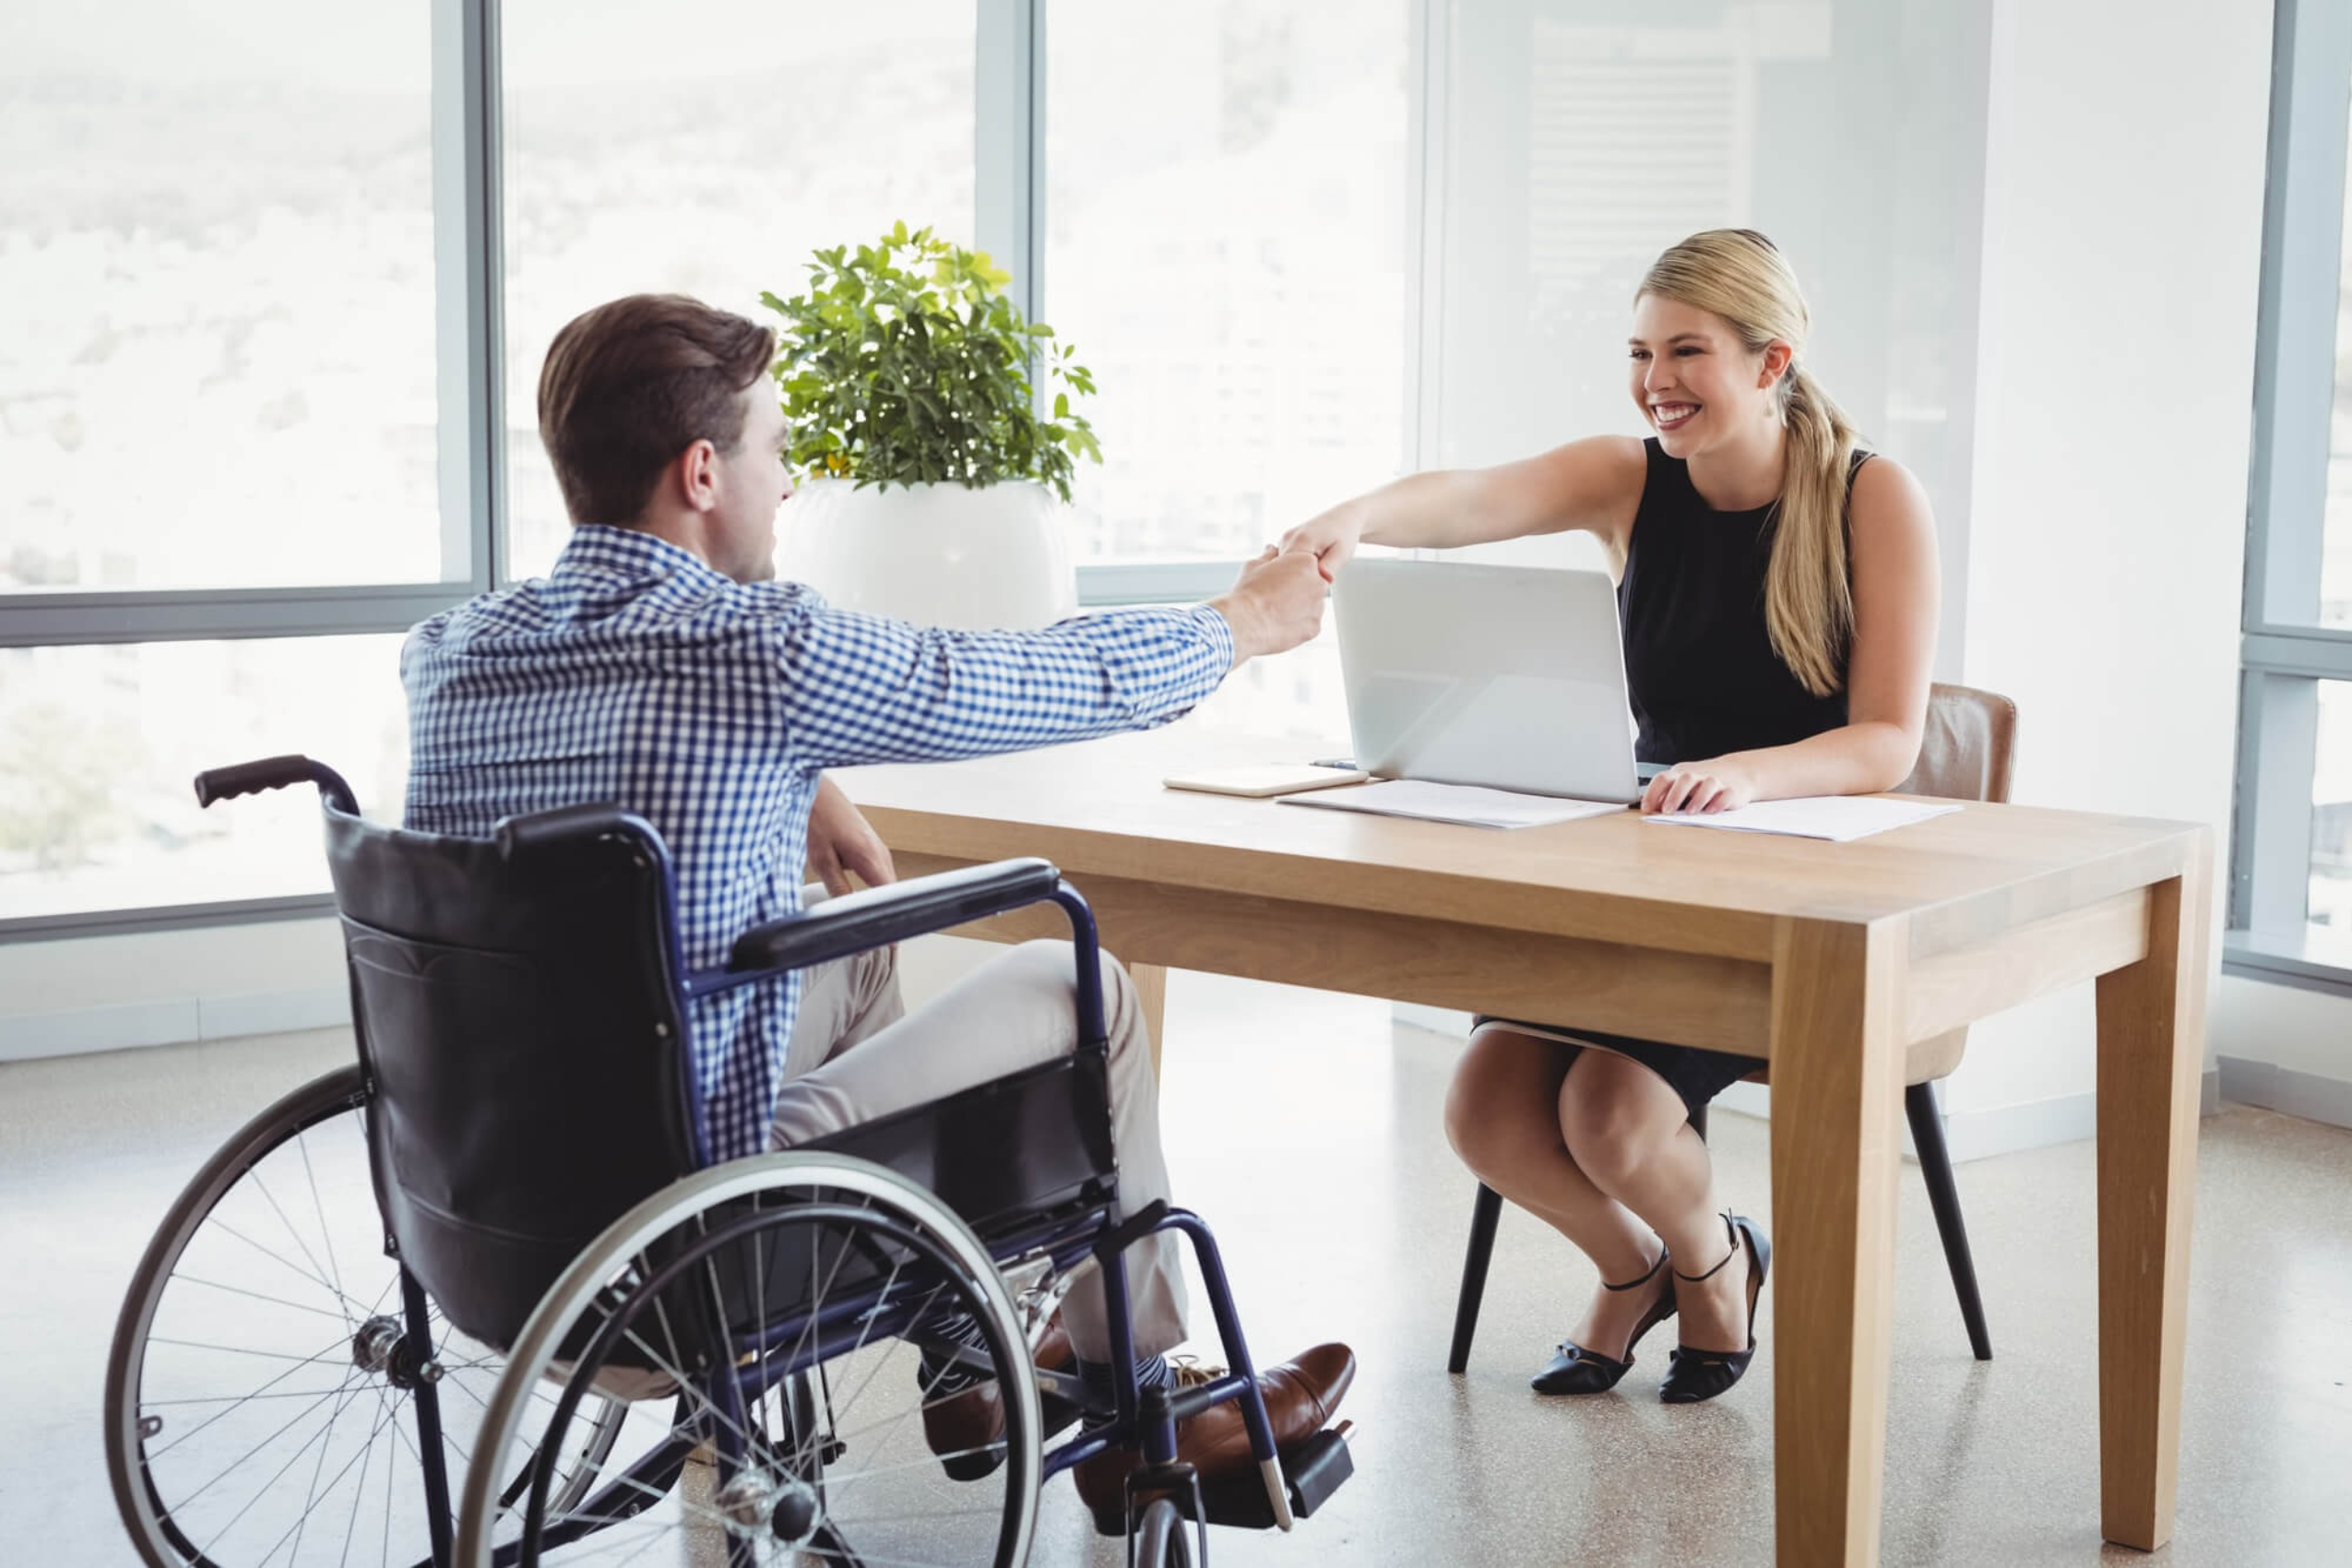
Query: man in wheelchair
(660, 668)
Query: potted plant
(929, 477)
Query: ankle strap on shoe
(1733, 1232)
(1649, 1274)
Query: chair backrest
(1966, 753)
(1968, 747)
(517, 1004)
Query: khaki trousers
(856, 1053)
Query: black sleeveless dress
(1704, 681)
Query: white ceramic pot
(935, 555)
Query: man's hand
(841, 842)
(1275, 604)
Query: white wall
(158, 988)
(2123, 180)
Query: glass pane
(1225, 247)
(1296, 698)
(217, 327)
(2335, 539)
(710, 164)
(97, 746)
(2330, 906)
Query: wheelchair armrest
(880, 916)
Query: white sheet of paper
(1464, 803)
(1840, 818)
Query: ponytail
(1809, 593)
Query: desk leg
(1836, 1105)
(2151, 1052)
(1151, 989)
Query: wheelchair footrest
(1312, 1468)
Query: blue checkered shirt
(637, 674)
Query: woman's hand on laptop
(1718, 784)
(1274, 605)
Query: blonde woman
(1778, 594)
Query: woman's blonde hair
(1808, 598)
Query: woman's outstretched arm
(1594, 484)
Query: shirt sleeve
(866, 689)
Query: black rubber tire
(158, 1540)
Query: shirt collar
(631, 553)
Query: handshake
(1277, 602)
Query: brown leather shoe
(1301, 1395)
(960, 1427)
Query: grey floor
(1304, 1127)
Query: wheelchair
(483, 1297)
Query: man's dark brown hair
(631, 384)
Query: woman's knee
(1494, 1115)
(1615, 1123)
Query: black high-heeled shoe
(1575, 1369)
(1691, 1374)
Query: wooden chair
(1966, 753)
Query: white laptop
(1508, 677)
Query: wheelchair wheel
(265, 1402)
(1163, 1537)
(796, 1302)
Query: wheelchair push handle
(274, 773)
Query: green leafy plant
(904, 363)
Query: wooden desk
(1825, 958)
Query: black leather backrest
(519, 1018)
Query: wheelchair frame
(679, 1231)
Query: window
(712, 168)
(274, 297)
(2291, 850)
(224, 414)
(1225, 242)
(98, 744)
(216, 328)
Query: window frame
(469, 275)
(2283, 652)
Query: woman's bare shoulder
(1885, 489)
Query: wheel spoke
(359, 1491)
(357, 1389)
(863, 1330)
(344, 1317)
(327, 1355)
(324, 1448)
(271, 1254)
(269, 1197)
(330, 1353)
(326, 1231)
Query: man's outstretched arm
(863, 689)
